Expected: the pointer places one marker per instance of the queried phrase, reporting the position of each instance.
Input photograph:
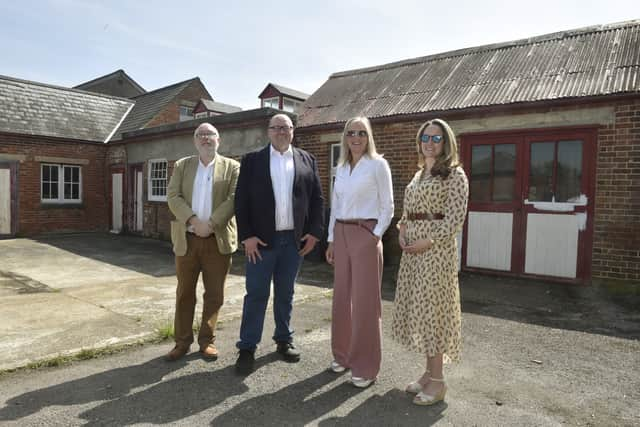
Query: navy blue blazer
(255, 204)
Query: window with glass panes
(60, 183)
(493, 173)
(555, 171)
(157, 190)
(335, 155)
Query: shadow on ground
(148, 256)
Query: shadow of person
(169, 401)
(290, 405)
(106, 385)
(392, 408)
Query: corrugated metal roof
(33, 108)
(592, 61)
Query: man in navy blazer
(279, 211)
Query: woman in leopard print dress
(426, 312)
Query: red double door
(531, 199)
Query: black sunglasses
(437, 139)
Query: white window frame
(201, 114)
(61, 183)
(150, 180)
(295, 105)
(185, 117)
(334, 155)
(270, 101)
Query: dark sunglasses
(437, 139)
(361, 133)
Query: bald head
(206, 139)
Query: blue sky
(236, 48)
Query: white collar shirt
(282, 174)
(366, 192)
(202, 197)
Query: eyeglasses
(437, 139)
(360, 133)
(280, 128)
(206, 135)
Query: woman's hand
(329, 253)
(419, 246)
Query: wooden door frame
(115, 170)
(589, 136)
(14, 194)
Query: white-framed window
(157, 182)
(202, 114)
(186, 113)
(60, 183)
(271, 102)
(291, 105)
(335, 155)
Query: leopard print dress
(426, 311)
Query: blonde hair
(345, 153)
(448, 158)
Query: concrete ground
(533, 354)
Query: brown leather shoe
(210, 352)
(178, 352)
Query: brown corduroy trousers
(202, 256)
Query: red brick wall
(171, 113)
(35, 217)
(616, 241)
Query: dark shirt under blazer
(255, 204)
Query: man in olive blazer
(201, 196)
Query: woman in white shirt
(361, 210)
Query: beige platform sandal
(424, 399)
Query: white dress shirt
(282, 172)
(365, 192)
(202, 197)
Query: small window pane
(53, 191)
(67, 191)
(67, 174)
(54, 173)
(46, 175)
(335, 155)
(541, 171)
(480, 185)
(76, 175)
(569, 171)
(504, 174)
(46, 193)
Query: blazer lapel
(218, 175)
(189, 176)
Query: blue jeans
(280, 262)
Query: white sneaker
(336, 367)
(361, 382)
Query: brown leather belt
(192, 234)
(418, 216)
(359, 222)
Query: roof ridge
(64, 88)
(492, 46)
(166, 87)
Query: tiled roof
(592, 61)
(33, 108)
(219, 107)
(118, 74)
(288, 91)
(149, 104)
